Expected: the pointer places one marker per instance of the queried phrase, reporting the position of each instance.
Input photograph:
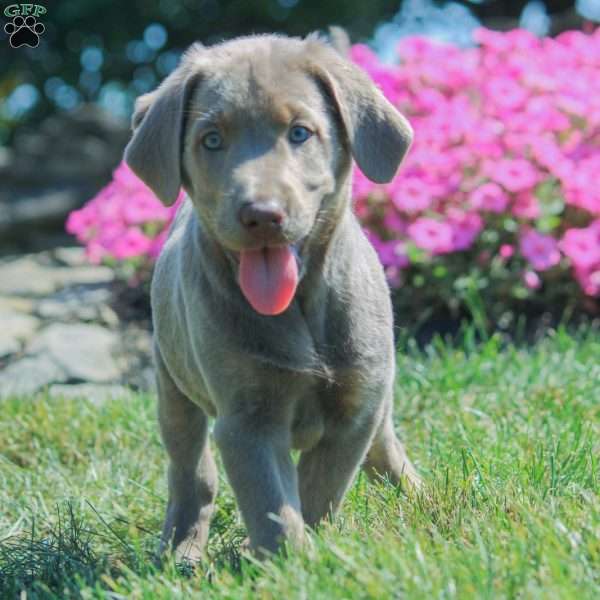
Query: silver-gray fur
(317, 377)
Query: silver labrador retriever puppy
(271, 310)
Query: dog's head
(260, 131)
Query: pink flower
(157, 244)
(506, 251)
(428, 99)
(394, 275)
(103, 224)
(81, 222)
(526, 206)
(95, 252)
(581, 184)
(522, 39)
(494, 40)
(532, 280)
(362, 55)
(466, 227)
(582, 246)
(434, 236)
(392, 253)
(489, 197)
(375, 240)
(550, 155)
(393, 222)
(144, 208)
(133, 243)
(506, 93)
(126, 178)
(109, 235)
(389, 82)
(514, 174)
(484, 138)
(361, 186)
(108, 204)
(414, 47)
(412, 195)
(540, 250)
(589, 280)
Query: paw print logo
(24, 31)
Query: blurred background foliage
(108, 52)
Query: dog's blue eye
(212, 141)
(299, 134)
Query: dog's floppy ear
(142, 105)
(378, 134)
(154, 151)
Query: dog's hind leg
(192, 474)
(387, 456)
(326, 471)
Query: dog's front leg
(260, 469)
(193, 475)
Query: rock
(135, 353)
(146, 380)
(26, 276)
(83, 352)
(65, 310)
(96, 393)
(8, 346)
(58, 326)
(15, 328)
(72, 256)
(29, 375)
(82, 303)
(87, 274)
(107, 316)
(15, 303)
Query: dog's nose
(262, 217)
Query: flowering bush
(125, 225)
(500, 193)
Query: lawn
(507, 438)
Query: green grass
(506, 437)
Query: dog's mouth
(269, 276)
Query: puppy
(271, 310)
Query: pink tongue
(268, 278)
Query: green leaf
(418, 280)
(416, 255)
(550, 199)
(440, 271)
(547, 224)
